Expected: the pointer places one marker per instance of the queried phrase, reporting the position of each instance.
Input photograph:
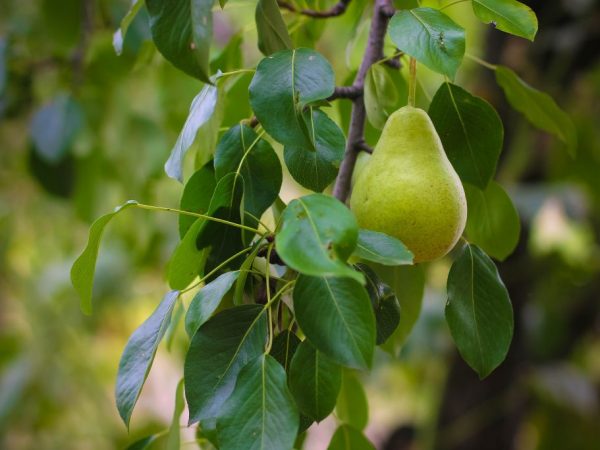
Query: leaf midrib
(343, 318)
(464, 128)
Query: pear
(409, 190)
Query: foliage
(230, 378)
(283, 300)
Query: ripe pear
(409, 189)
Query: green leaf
(492, 222)
(385, 304)
(314, 381)
(538, 107)
(208, 239)
(336, 315)
(507, 15)
(187, 261)
(240, 285)
(284, 347)
(478, 311)
(178, 312)
(54, 127)
(196, 196)
(431, 37)
(381, 248)
(471, 132)
(119, 35)
(82, 272)
(347, 437)
(139, 354)
(224, 240)
(182, 32)
(173, 436)
(315, 170)
(260, 413)
(207, 300)
(381, 95)
(272, 30)
(218, 351)
(201, 110)
(284, 83)
(142, 443)
(408, 283)
(318, 233)
(352, 407)
(242, 151)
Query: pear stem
(382, 12)
(412, 82)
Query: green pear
(409, 190)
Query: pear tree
(289, 299)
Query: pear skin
(409, 189)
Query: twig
(336, 10)
(350, 92)
(363, 146)
(374, 52)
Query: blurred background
(83, 130)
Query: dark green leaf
(272, 31)
(196, 196)
(182, 32)
(82, 272)
(431, 37)
(352, 406)
(381, 95)
(242, 151)
(284, 346)
(224, 240)
(119, 35)
(240, 285)
(260, 413)
(187, 261)
(208, 238)
(201, 110)
(284, 83)
(385, 304)
(478, 311)
(510, 16)
(318, 233)
(336, 315)
(207, 300)
(347, 437)
(382, 249)
(492, 222)
(315, 170)
(538, 107)
(173, 436)
(314, 381)
(471, 132)
(54, 128)
(139, 354)
(408, 283)
(218, 351)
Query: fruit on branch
(409, 189)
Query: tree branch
(336, 10)
(382, 12)
(350, 92)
